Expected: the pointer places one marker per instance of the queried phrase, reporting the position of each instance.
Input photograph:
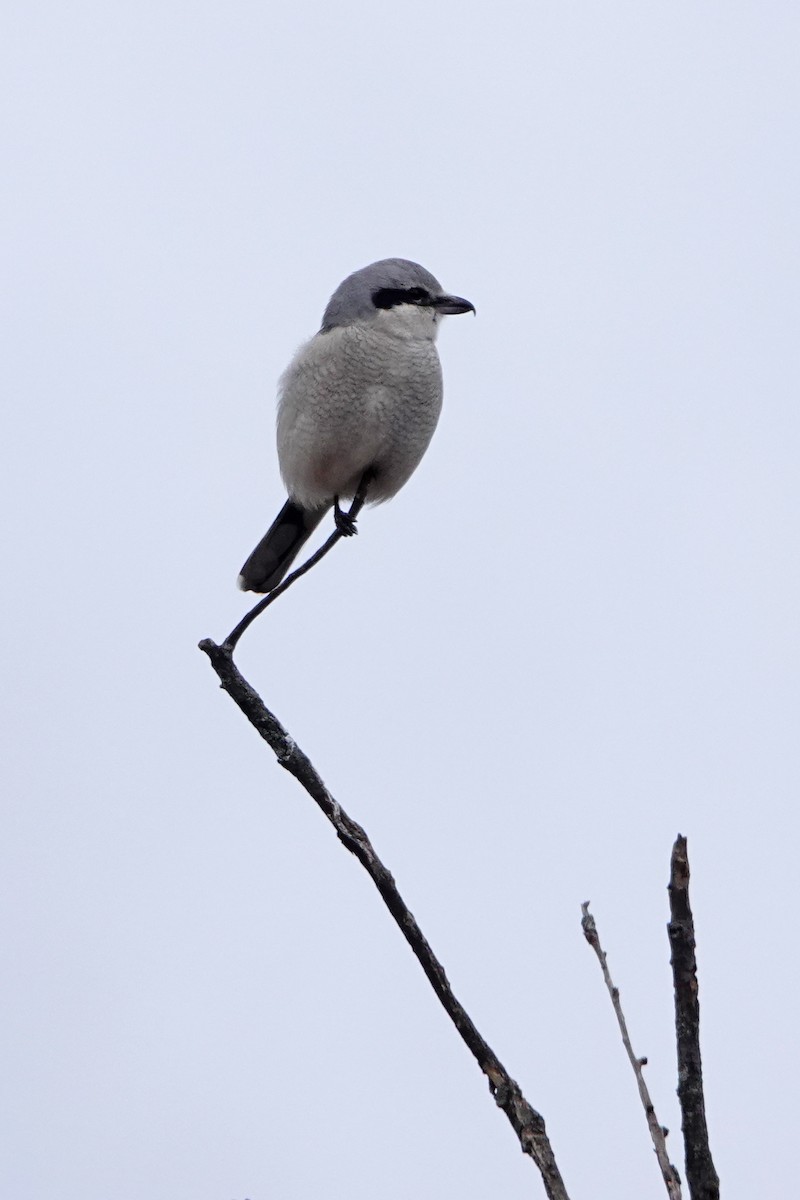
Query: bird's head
(397, 295)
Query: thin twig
(528, 1124)
(701, 1176)
(247, 620)
(657, 1131)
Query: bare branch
(341, 531)
(701, 1176)
(528, 1124)
(657, 1131)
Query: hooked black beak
(451, 305)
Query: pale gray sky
(574, 634)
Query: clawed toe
(344, 522)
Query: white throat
(408, 321)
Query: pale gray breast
(354, 398)
(398, 404)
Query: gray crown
(352, 300)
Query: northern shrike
(360, 400)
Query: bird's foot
(344, 522)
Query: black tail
(279, 547)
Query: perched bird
(357, 405)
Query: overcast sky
(573, 635)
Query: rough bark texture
(527, 1123)
(658, 1133)
(701, 1176)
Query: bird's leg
(346, 521)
